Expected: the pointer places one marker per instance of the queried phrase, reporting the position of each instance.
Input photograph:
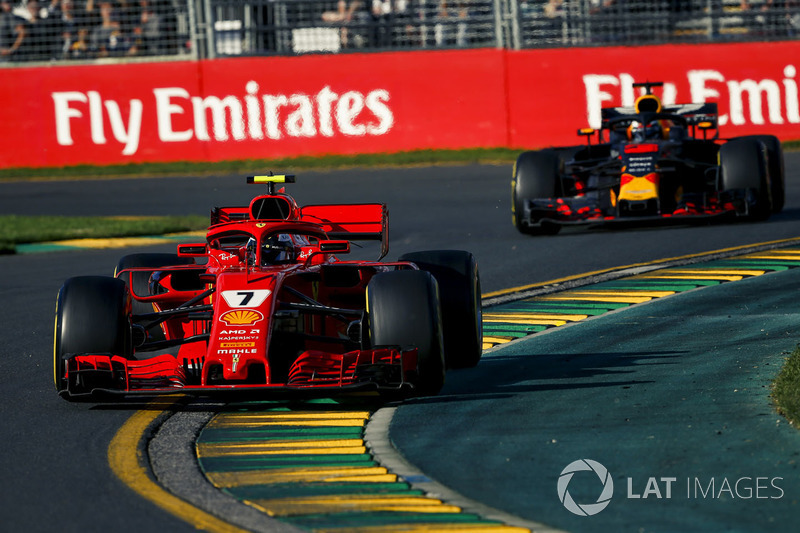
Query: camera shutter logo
(586, 509)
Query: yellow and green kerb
(307, 464)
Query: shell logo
(242, 317)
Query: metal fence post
(507, 11)
(194, 24)
(211, 46)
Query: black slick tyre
(777, 171)
(744, 175)
(456, 273)
(535, 175)
(403, 310)
(92, 317)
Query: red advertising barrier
(252, 108)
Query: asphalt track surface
(54, 464)
(675, 388)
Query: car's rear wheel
(456, 273)
(535, 175)
(744, 176)
(777, 172)
(403, 310)
(92, 317)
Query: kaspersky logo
(605, 487)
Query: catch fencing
(73, 31)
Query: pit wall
(275, 107)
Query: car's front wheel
(536, 174)
(403, 310)
(92, 317)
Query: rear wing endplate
(352, 222)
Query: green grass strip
(216, 435)
(299, 490)
(512, 330)
(696, 282)
(637, 285)
(318, 521)
(566, 307)
(766, 264)
(251, 166)
(267, 462)
(786, 388)
(19, 229)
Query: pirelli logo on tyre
(243, 317)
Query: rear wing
(694, 114)
(352, 222)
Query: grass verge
(420, 157)
(18, 229)
(786, 389)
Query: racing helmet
(278, 249)
(639, 132)
(648, 103)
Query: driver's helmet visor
(282, 248)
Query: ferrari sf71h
(265, 306)
(648, 163)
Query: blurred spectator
(129, 15)
(390, 19)
(89, 14)
(346, 14)
(11, 31)
(554, 9)
(167, 12)
(108, 39)
(35, 43)
(604, 20)
(75, 26)
(452, 28)
(148, 32)
(79, 47)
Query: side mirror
(192, 250)
(587, 132)
(329, 247)
(705, 126)
(334, 247)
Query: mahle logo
(585, 509)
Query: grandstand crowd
(44, 30)
(55, 30)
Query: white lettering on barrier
(164, 111)
(746, 98)
(239, 118)
(64, 113)
(127, 135)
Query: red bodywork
(236, 320)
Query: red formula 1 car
(265, 306)
(649, 164)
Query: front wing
(579, 212)
(312, 373)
